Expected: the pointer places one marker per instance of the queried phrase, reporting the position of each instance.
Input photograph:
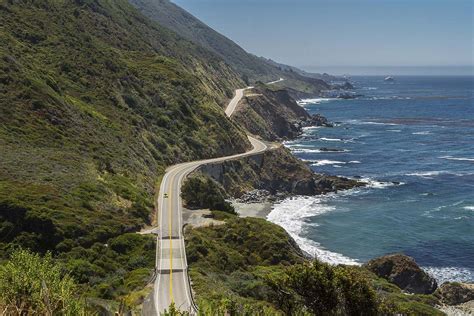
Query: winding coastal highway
(239, 93)
(172, 283)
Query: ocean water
(413, 142)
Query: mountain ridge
(250, 67)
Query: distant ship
(389, 79)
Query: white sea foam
(292, 145)
(394, 130)
(370, 183)
(335, 140)
(331, 139)
(324, 162)
(327, 162)
(436, 212)
(427, 174)
(304, 102)
(380, 123)
(381, 185)
(292, 214)
(305, 150)
(457, 158)
(313, 151)
(452, 274)
(395, 97)
(311, 128)
(431, 174)
(422, 133)
(469, 207)
(358, 122)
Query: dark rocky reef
(331, 149)
(403, 271)
(276, 171)
(318, 120)
(347, 95)
(341, 94)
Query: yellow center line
(170, 214)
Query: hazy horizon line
(434, 70)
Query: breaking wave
(293, 213)
(451, 274)
(304, 102)
(457, 158)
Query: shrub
(358, 296)
(203, 192)
(31, 284)
(323, 290)
(126, 242)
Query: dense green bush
(110, 271)
(203, 192)
(27, 226)
(323, 290)
(35, 285)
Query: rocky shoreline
(262, 180)
(401, 270)
(254, 184)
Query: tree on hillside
(203, 192)
(35, 285)
(321, 289)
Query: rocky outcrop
(455, 293)
(344, 86)
(403, 272)
(325, 149)
(255, 196)
(318, 120)
(276, 171)
(274, 114)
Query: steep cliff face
(273, 114)
(277, 171)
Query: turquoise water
(413, 141)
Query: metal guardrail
(187, 273)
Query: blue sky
(346, 33)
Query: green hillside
(96, 101)
(250, 67)
(182, 22)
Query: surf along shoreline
(276, 208)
